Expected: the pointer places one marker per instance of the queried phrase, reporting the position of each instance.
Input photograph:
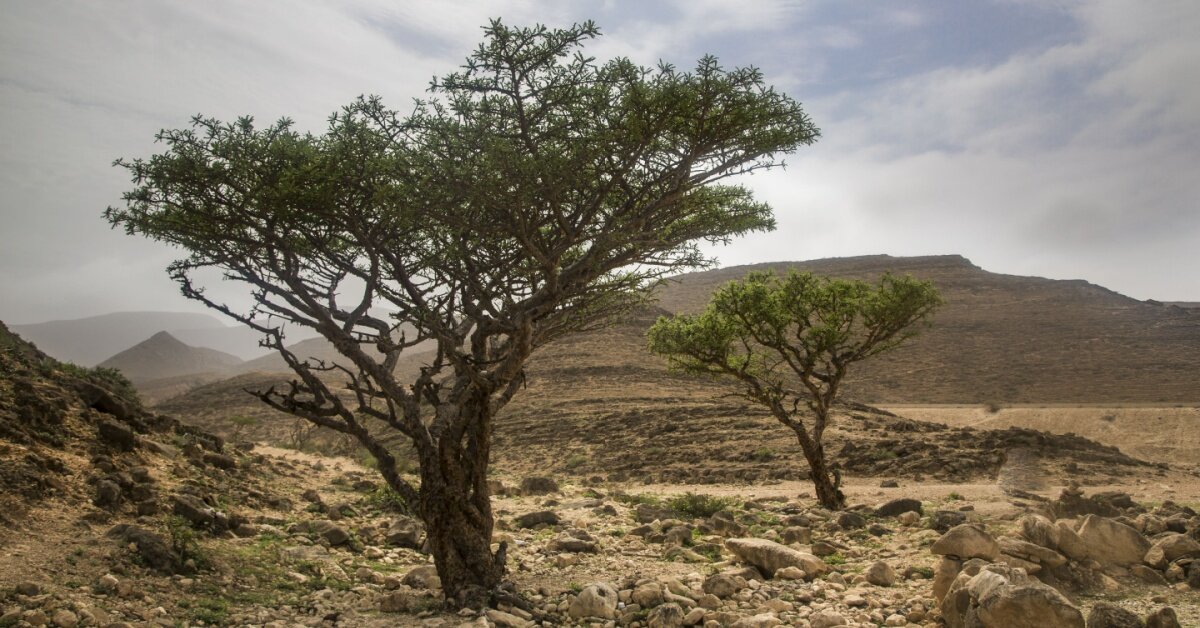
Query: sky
(1051, 137)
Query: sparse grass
(763, 454)
(926, 572)
(701, 506)
(210, 610)
(634, 499)
(576, 461)
(835, 559)
(955, 496)
(384, 498)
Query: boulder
(796, 534)
(851, 520)
(531, 519)
(1164, 617)
(1112, 542)
(724, 524)
(595, 600)
(153, 549)
(422, 577)
(108, 494)
(117, 435)
(1169, 548)
(665, 616)
(1031, 552)
(1069, 543)
(826, 619)
(999, 596)
(898, 506)
(762, 620)
(967, 541)
(328, 530)
(943, 520)
(1107, 615)
(723, 585)
(194, 510)
(537, 485)
(770, 556)
(1040, 531)
(405, 532)
(880, 574)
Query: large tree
(535, 193)
(788, 343)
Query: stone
(402, 602)
(28, 588)
(796, 534)
(966, 541)
(194, 510)
(1000, 596)
(108, 494)
(116, 435)
(723, 523)
(538, 485)
(791, 573)
(422, 577)
(851, 520)
(909, 518)
(531, 519)
(1147, 575)
(595, 600)
(723, 585)
(821, 548)
(889, 484)
(1107, 615)
(854, 600)
(1112, 542)
(220, 461)
(770, 556)
(668, 615)
(646, 513)
(405, 532)
(762, 620)
(943, 520)
(107, 583)
(648, 595)
(826, 619)
(1169, 548)
(899, 506)
(64, 618)
(1031, 552)
(153, 549)
(505, 620)
(1040, 531)
(1069, 543)
(1164, 617)
(332, 533)
(895, 620)
(880, 574)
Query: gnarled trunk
(828, 493)
(459, 537)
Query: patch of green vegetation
(617, 532)
(882, 454)
(210, 610)
(924, 571)
(700, 506)
(633, 499)
(835, 558)
(576, 461)
(110, 379)
(385, 498)
(955, 496)
(185, 542)
(711, 552)
(763, 454)
(575, 587)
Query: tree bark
(460, 539)
(828, 493)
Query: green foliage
(184, 540)
(700, 506)
(835, 558)
(386, 498)
(575, 461)
(210, 610)
(110, 379)
(763, 454)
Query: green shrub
(575, 461)
(700, 506)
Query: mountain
(164, 356)
(87, 341)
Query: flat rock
(1112, 542)
(898, 506)
(967, 541)
(770, 556)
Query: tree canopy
(534, 193)
(789, 341)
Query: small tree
(789, 341)
(537, 194)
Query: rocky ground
(114, 516)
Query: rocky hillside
(1008, 339)
(163, 356)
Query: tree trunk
(460, 538)
(828, 493)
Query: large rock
(119, 436)
(1033, 553)
(1106, 615)
(537, 485)
(943, 520)
(1112, 542)
(999, 596)
(967, 541)
(152, 548)
(1169, 548)
(194, 510)
(770, 556)
(328, 530)
(898, 506)
(531, 519)
(405, 532)
(1069, 543)
(665, 616)
(595, 600)
(1164, 617)
(880, 574)
(1040, 531)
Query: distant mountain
(87, 341)
(164, 356)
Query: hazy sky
(1046, 137)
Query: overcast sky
(1035, 137)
